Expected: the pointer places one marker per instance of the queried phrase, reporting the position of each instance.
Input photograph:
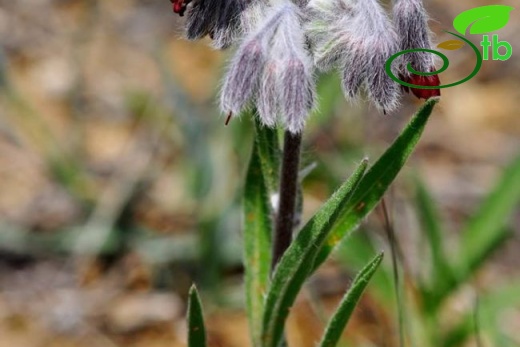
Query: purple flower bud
(298, 94)
(411, 21)
(356, 37)
(381, 89)
(281, 80)
(296, 85)
(353, 75)
(221, 19)
(268, 101)
(201, 18)
(243, 76)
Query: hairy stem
(288, 194)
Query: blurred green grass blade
(294, 267)
(257, 244)
(377, 180)
(487, 229)
(462, 273)
(484, 233)
(342, 315)
(356, 251)
(196, 329)
(492, 305)
(431, 225)
(459, 334)
(269, 154)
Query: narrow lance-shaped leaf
(487, 229)
(295, 264)
(355, 252)
(430, 221)
(377, 180)
(342, 315)
(196, 329)
(257, 243)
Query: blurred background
(120, 184)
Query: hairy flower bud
(222, 20)
(274, 66)
(357, 37)
(298, 94)
(243, 76)
(296, 81)
(411, 21)
(352, 77)
(268, 101)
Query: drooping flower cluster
(357, 37)
(282, 42)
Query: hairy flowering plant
(280, 47)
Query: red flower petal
(430, 81)
(179, 6)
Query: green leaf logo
(482, 20)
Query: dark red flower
(430, 81)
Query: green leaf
(257, 243)
(295, 265)
(269, 154)
(430, 221)
(487, 229)
(342, 315)
(377, 180)
(196, 329)
(451, 45)
(483, 19)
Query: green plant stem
(396, 255)
(287, 195)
